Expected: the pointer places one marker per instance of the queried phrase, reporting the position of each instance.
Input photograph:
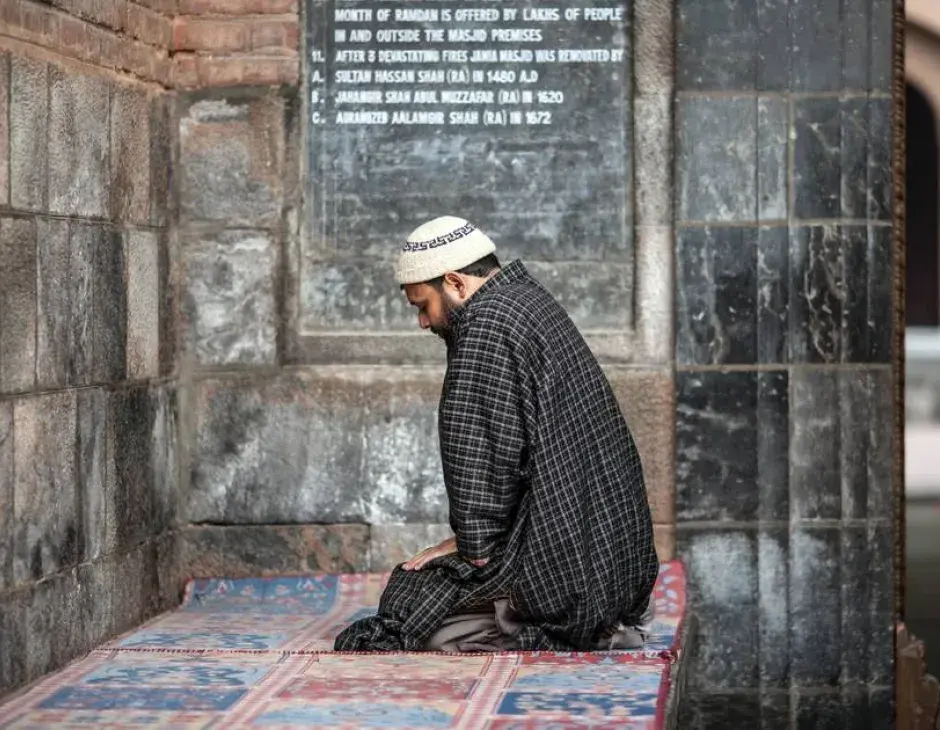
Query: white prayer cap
(444, 244)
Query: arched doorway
(923, 244)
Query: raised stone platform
(258, 652)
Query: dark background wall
(784, 420)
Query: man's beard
(446, 330)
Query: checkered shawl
(543, 480)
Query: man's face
(434, 306)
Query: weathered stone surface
(326, 446)
(773, 438)
(143, 304)
(78, 144)
(96, 581)
(817, 293)
(815, 478)
(392, 545)
(773, 122)
(129, 598)
(775, 710)
(596, 296)
(7, 479)
(648, 403)
(231, 161)
(41, 634)
(13, 630)
(881, 45)
(716, 51)
(167, 288)
(816, 45)
(160, 114)
(229, 298)
(722, 711)
(130, 154)
(54, 307)
(98, 305)
(165, 455)
(815, 607)
(722, 568)
(716, 295)
(267, 550)
(880, 282)
(881, 573)
(17, 304)
(29, 117)
(773, 45)
(48, 525)
(96, 474)
(716, 159)
(773, 295)
(354, 296)
(716, 446)
(131, 423)
(773, 553)
(4, 128)
(170, 570)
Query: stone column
(784, 419)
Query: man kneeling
(553, 539)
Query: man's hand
(428, 554)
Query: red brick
(148, 26)
(10, 13)
(235, 71)
(39, 23)
(110, 13)
(273, 34)
(164, 7)
(217, 36)
(72, 35)
(185, 74)
(237, 7)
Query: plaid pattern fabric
(543, 478)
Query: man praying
(553, 538)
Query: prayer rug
(255, 653)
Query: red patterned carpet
(255, 653)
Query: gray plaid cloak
(543, 479)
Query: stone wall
(88, 405)
(785, 387)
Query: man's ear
(457, 282)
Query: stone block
(723, 711)
(45, 504)
(665, 539)
(4, 129)
(78, 144)
(648, 401)
(266, 550)
(816, 45)
(773, 295)
(130, 425)
(354, 296)
(231, 161)
(229, 299)
(716, 51)
(141, 257)
(54, 305)
(13, 632)
(167, 285)
(773, 438)
(722, 567)
(881, 45)
(716, 295)
(301, 447)
(816, 710)
(880, 283)
(856, 35)
(169, 570)
(773, 554)
(165, 456)
(130, 154)
(815, 607)
(392, 545)
(17, 304)
(7, 478)
(129, 589)
(160, 116)
(29, 117)
(773, 45)
(775, 710)
(716, 446)
(41, 629)
(716, 158)
(881, 573)
(97, 598)
(815, 474)
(96, 474)
(817, 294)
(98, 298)
(773, 132)
(880, 495)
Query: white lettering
(487, 55)
(368, 96)
(410, 56)
(467, 97)
(409, 117)
(408, 35)
(603, 14)
(362, 117)
(584, 55)
(432, 76)
(353, 76)
(416, 15)
(346, 56)
(516, 35)
(397, 97)
(476, 15)
(426, 96)
(456, 56)
(464, 117)
(466, 35)
(516, 56)
(353, 15)
(360, 35)
(543, 15)
(394, 76)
